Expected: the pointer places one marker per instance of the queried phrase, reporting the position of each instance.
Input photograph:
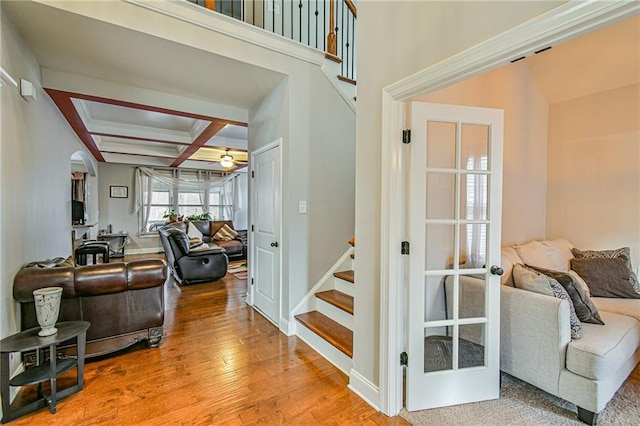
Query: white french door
(265, 259)
(454, 202)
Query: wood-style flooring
(220, 362)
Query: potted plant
(171, 215)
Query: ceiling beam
(68, 110)
(199, 142)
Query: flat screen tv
(77, 212)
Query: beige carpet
(522, 404)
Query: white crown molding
(222, 24)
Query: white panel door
(454, 219)
(266, 232)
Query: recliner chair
(192, 266)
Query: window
(187, 192)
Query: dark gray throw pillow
(585, 309)
(606, 277)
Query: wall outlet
(302, 207)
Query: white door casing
(455, 213)
(265, 261)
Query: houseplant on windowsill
(172, 216)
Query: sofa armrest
(534, 334)
(207, 252)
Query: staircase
(328, 328)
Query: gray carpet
(522, 404)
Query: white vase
(47, 303)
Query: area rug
(238, 268)
(523, 404)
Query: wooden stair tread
(337, 299)
(352, 241)
(334, 333)
(332, 57)
(345, 275)
(353, 255)
(347, 80)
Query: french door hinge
(251, 228)
(404, 247)
(404, 359)
(251, 281)
(253, 173)
(406, 136)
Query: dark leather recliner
(192, 266)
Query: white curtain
(143, 186)
(476, 210)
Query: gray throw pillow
(585, 309)
(624, 253)
(529, 279)
(606, 277)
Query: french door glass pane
(471, 346)
(474, 141)
(440, 196)
(434, 306)
(441, 253)
(441, 145)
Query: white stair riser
(343, 286)
(343, 318)
(324, 348)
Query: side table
(29, 340)
(117, 240)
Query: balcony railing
(327, 25)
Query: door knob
(274, 244)
(496, 270)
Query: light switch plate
(302, 207)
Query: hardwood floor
(219, 362)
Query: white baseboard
(364, 389)
(285, 327)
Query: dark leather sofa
(236, 248)
(192, 266)
(124, 302)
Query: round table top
(29, 339)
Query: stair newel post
(331, 37)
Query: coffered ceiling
(123, 132)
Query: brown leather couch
(124, 302)
(236, 248)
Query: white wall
(524, 196)
(423, 34)
(37, 143)
(594, 171)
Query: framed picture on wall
(118, 191)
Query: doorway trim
(558, 25)
(252, 220)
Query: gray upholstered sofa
(535, 337)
